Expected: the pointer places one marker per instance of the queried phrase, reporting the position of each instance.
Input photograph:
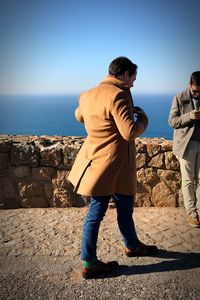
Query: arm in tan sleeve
(78, 115)
(122, 112)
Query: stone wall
(34, 171)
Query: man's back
(107, 111)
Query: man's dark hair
(120, 65)
(195, 78)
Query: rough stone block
(69, 155)
(24, 153)
(43, 173)
(4, 160)
(64, 196)
(35, 202)
(141, 160)
(8, 187)
(19, 171)
(143, 195)
(180, 198)
(140, 147)
(48, 188)
(157, 161)
(50, 157)
(171, 178)
(28, 188)
(171, 162)
(60, 179)
(148, 176)
(9, 203)
(153, 149)
(163, 196)
(5, 146)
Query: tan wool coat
(106, 163)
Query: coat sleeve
(122, 112)
(176, 119)
(78, 115)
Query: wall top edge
(55, 138)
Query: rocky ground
(40, 256)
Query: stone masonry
(34, 171)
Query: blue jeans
(97, 209)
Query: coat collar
(186, 100)
(115, 81)
(119, 83)
(186, 96)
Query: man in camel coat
(106, 164)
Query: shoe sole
(99, 273)
(152, 252)
(141, 255)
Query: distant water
(54, 115)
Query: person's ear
(126, 74)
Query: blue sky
(65, 46)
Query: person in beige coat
(184, 117)
(106, 163)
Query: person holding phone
(184, 117)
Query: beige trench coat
(106, 163)
(179, 119)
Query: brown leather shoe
(142, 250)
(194, 219)
(99, 268)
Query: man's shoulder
(89, 90)
(184, 95)
(103, 88)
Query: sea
(54, 115)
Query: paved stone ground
(40, 256)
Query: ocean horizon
(54, 115)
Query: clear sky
(65, 46)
